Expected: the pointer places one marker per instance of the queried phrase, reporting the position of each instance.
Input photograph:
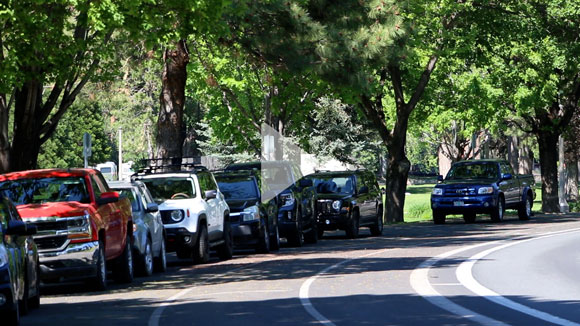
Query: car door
(15, 247)
(153, 218)
(367, 200)
(110, 215)
(510, 186)
(213, 226)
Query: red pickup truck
(83, 226)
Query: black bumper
(179, 238)
(333, 221)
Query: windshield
(170, 188)
(473, 171)
(330, 184)
(45, 190)
(238, 188)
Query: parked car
(19, 280)
(83, 226)
(482, 187)
(194, 212)
(295, 195)
(254, 220)
(148, 230)
(347, 200)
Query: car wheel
(161, 261)
(146, 260)
(525, 209)
(201, 250)
(275, 238)
(353, 226)
(312, 235)
(226, 250)
(296, 239)
(34, 302)
(497, 213)
(14, 315)
(377, 228)
(438, 217)
(99, 282)
(469, 217)
(264, 242)
(124, 268)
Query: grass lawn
(418, 203)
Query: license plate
(458, 203)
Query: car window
(342, 184)
(45, 190)
(240, 187)
(506, 168)
(473, 171)
(4, 215)
(166, 188)
(133, 198)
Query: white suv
(194, 213)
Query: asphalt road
(511, 273)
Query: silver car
(148, 230)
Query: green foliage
(65, 148)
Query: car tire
(14, 315)
(312, 235)
(469, 218)
(296, 239)
(438, 217)
(525, 209)
(263, 246)
(124, 267)
(201, 249)
(160, 262)
(377, 228)
(146, 260)
(99, 281)
(34, 302)
(275, 238)
(226, 250)
(498, 212)
(353, 226)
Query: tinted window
(473, 171)
(4, 216)
(334, 184)
(44, 190)
(238, 187)
(170, 188)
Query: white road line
(305, 289)
(464, 274)
(419, 280)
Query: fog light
(289, 215)
(485, 204)
(2, 299)
(186, 238)
(327, 222)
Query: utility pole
(120, 170)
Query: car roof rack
(171, 165)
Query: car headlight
(485, 190)
(336, 204)
(437, 191)
(79, 226)
(287, 199)
(177, 215)
(251, 214)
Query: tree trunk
(513, 152)
(526, 161)
(548, 145)
(170, 131)
(26, 138)
(4, 140)
(572, 182)
(399, 166)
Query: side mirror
(152, 208)
(363, 190)
(506, 176)
(210, 194)
(305, 183)
(440, 178)
(108, 197)
(20, 228)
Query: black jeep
(254, 219)
(347, 200)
